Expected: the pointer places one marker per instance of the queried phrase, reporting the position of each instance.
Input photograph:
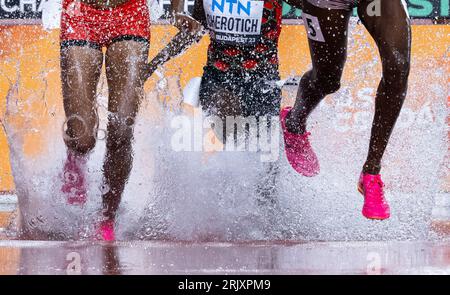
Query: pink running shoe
(375, 205)
(298, 149)
(106, 231)
(74, 185)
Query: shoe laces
(375, 188)
(304, 137)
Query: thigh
(126, 63)
(221, 101)
(80, 71)
(327, 31)
(391, 31)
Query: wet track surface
(39, 257)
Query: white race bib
(234, 21)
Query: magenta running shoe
(106, 231)
(375, 205)
(298, 149)
(74, 186)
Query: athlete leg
(328, 56)
(218, 102)
(80, 71)
(392, 33)
(125, 66)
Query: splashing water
(216, 196)
(193, 196)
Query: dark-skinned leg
(80, 71)
(392, 34)
(221, 103)
(125, 65)
(328, 60)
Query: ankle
(371, 168)
(107, 215)
(77, 156)
(295, 124)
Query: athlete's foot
(74, 185)
(293, 124)
(375, 205)
(298, 149)
(106, 230)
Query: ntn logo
(238, 6)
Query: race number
(234, 21)
(313, 27)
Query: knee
(80, 135)
(396, 73)
(329, 85)
(321, 83)
(394, 83)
